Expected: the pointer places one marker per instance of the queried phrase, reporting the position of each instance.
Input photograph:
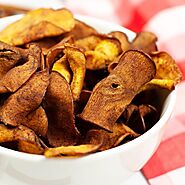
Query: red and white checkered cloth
(166, 18)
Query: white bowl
(110, 167)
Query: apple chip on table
(67, 90)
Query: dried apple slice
(107, 139)
(81, 30)
(111, 95)
(77, 63)
(59, 108)
(167, 75)
(122, 37)
(6, 134)
(37, 121)
(145, 41)
(62, 67)
(27, 140)
(38, 24)
(25, 100)
(9, 57)
(78, 150)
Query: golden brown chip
(88, 43)
(59, 108)
(111, 95)
(71, 150)
(107, 139)
(122, 37)
(37, 121)
(103, 54)
(81, 30)
(29, 147)
(38, 24)
(159, 83)
(166, 67)
(46, 43)
(77, 63)
(25, 100)
(62, 67)
(6, 134)
(17, 76)
(27, 140)
(145, 41)
(56, 52)
(9, 57)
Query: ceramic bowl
(110, 167)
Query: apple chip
(167, 75)
(59, 109)
(122, 37)
(88, 43)
(111, 95)
(17, 76)
(77, 63)
(38, 24)
(9, 57)
(81, 30)
(6, 134)
(166, 67)
(145, 41)
(27, 140)
(25, 100)
(37, 121)
(107, 139)
(56, 52)
(78, 150)
(62, 67)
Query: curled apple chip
(59, 109)
(6, 134)
(77, 63)
(62, 67)
(122, 37)
(37, 121)
(107, 139)
(78, 150)
(27, 140)
(103, 54)
(25, 100)
(73, 61)
(56, 52)
(111, 95)
(9, 57)
(88, 43)
(17, 76)
(81, 30)
(167, 72)
(38, 24)
(145, 41)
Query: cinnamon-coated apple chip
(112, 94)
(38, 24)
(25, 100)
(60, 109)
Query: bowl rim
(170, 101)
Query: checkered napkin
(166, 18)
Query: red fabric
(167, 158)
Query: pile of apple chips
(67, 90)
